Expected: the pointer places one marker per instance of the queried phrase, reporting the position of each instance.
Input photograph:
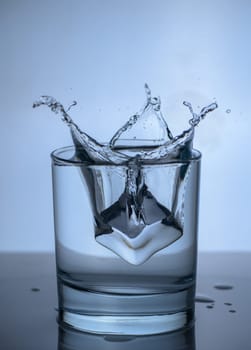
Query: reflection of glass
(69, 339)
(125, 261)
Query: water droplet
(203, 299)
(35, 289)
(223, 287)
(71, 105)
(228, 111)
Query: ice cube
(137, 233)
(139, 249)
(137, 224)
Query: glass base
(125, 314)
(127, 325)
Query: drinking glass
(124, 266)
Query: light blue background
(101, 53)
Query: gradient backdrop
(101, 53)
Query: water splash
(120, 149)
(198, 117)
(152, 106)
(87, 148)
(135, 224)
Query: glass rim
(58, 159)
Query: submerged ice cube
(132, 218)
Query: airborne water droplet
(71, 105)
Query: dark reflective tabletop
(28, 302)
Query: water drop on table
(203, 299)
(223, 287)
(210, 306)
